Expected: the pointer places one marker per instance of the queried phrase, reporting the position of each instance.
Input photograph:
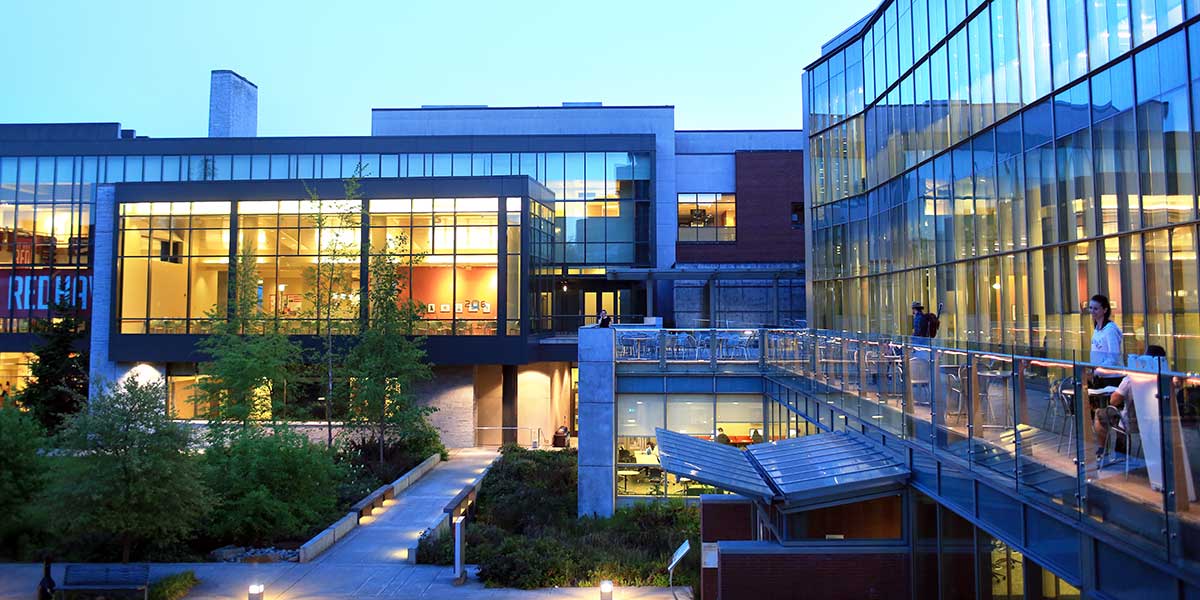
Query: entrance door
(615, 302)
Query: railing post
(662, 349)
(712, 349)
(762, 349)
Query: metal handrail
(535, 440)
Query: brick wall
(726, 520)
(768, 182)
(858, 576)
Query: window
(707, 218)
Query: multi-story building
(1008, 159)
(1005, 158)
(527, 222)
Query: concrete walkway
(390, 536)
(292, 581)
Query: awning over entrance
(804, 470)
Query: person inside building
(604, 320)
(651, 449)
(722, 438)
(755, 436)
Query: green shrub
(526, 534)
(272, 485)
(21, 476)
(173, 587)
(529, 489)
(528, 564)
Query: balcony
(1018, 423)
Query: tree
(127, 471)
(250, 360)
(58, 383)
(333, 289)
(21, 468)
(386, 362)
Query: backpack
(932, 323)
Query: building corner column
(101, 369)
(597, 422)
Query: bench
(129, 580)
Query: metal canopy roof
(708, 462)
(803, 470)
(826, 466)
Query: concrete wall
(736, 303)
(542, 402)
(452, 392)
(597, 422)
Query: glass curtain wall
(174, 266)
(1020, 157)
(46, 205)
(602, 213)
(739, 417)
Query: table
(646, 459)
(625, 474)
(637, 343)
(986, 379)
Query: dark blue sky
(321, 67)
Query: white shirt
(1106, 345)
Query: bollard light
(606, 590)
(255, 592)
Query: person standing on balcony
(920, 322)
(603, 320)
(1106, 343)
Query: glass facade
(174, 266)
(601, 214)
(706, 416)
(1009, 159)
(46, 205)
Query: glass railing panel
(916, 375)
(636, 345)
(994, 439)
(1181, 446)
(1125, 450)
(951, 403)
(1048, 429)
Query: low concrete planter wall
(364, 508)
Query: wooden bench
(128, 580)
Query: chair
(954, 390)
(918, 373)
(1064, 406)
(1126, 427)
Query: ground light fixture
(255, 592)
(606, 590)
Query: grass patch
(173, 587)
(526, 534)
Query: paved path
(292, 581)
(390, 536)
